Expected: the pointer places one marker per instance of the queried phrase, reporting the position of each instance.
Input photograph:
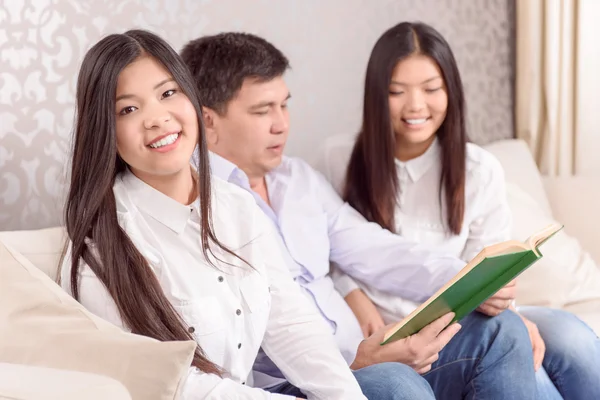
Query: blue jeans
(572, 359)
(489, 358)
(386, 381)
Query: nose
(156, 115)
(416, 101)
(281, 122)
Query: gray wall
(328, 43)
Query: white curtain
(546, 82)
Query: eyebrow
(425, 81)
(268, 103)
(159, 84)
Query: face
(157, 125)
(253, 130)
(418, 101)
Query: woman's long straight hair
(371, 184)
(91, 207)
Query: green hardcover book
(493, 268)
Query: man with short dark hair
(240, 82)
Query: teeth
(416, 121)
(165, 141)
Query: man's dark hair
(220, 64)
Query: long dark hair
(91, 207)
(371, 183)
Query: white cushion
(520, 169)
(42, 247)
(566, 274)
(41, 325)
(574, 201)
(38, 383)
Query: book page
(539, 238)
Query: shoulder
(234, 213)
(482, 165)
(229, 197)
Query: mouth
(278, 147)
(415, 121)
(165, 140)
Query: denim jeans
(572, 358)
(385, 381)
(489, 358)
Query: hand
(539, 347)
(418, 351)
(367, 315)
(500, 301)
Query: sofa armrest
(28, 383)
(574, 202)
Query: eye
(127, 110)
(432, 90)
(169, 93)
(261, 112)
(395, 93)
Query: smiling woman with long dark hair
(412, 171)
(161, 249)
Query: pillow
(42, 247)
(520, 168)
(566, 274)
(50, 383)
(41, 325)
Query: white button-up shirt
(316, 226)
(233, 309)
(418, 214)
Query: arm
(378, 257)
(491, 225)
(198, 385)
(493, 221)
(366, 313)
(297, 338)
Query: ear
(210, 119)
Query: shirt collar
(157, 205)
(227, 171)
(417, 167)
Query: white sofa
(535, 201)
(568, 276)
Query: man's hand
(500, 301)
(418, 351)
(363, 308)
(539, 347)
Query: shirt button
(191, 329)
(239, 345)
(220, 279)
(238, 312)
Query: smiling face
(252, 131)
(418, 103)
(156, 124)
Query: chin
(418, 137)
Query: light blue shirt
(316, 226)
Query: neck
(180, 186)
(408, 151)
(258, 184)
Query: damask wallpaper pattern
(42, 43)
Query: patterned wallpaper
(328, 42)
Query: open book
(493, 268)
